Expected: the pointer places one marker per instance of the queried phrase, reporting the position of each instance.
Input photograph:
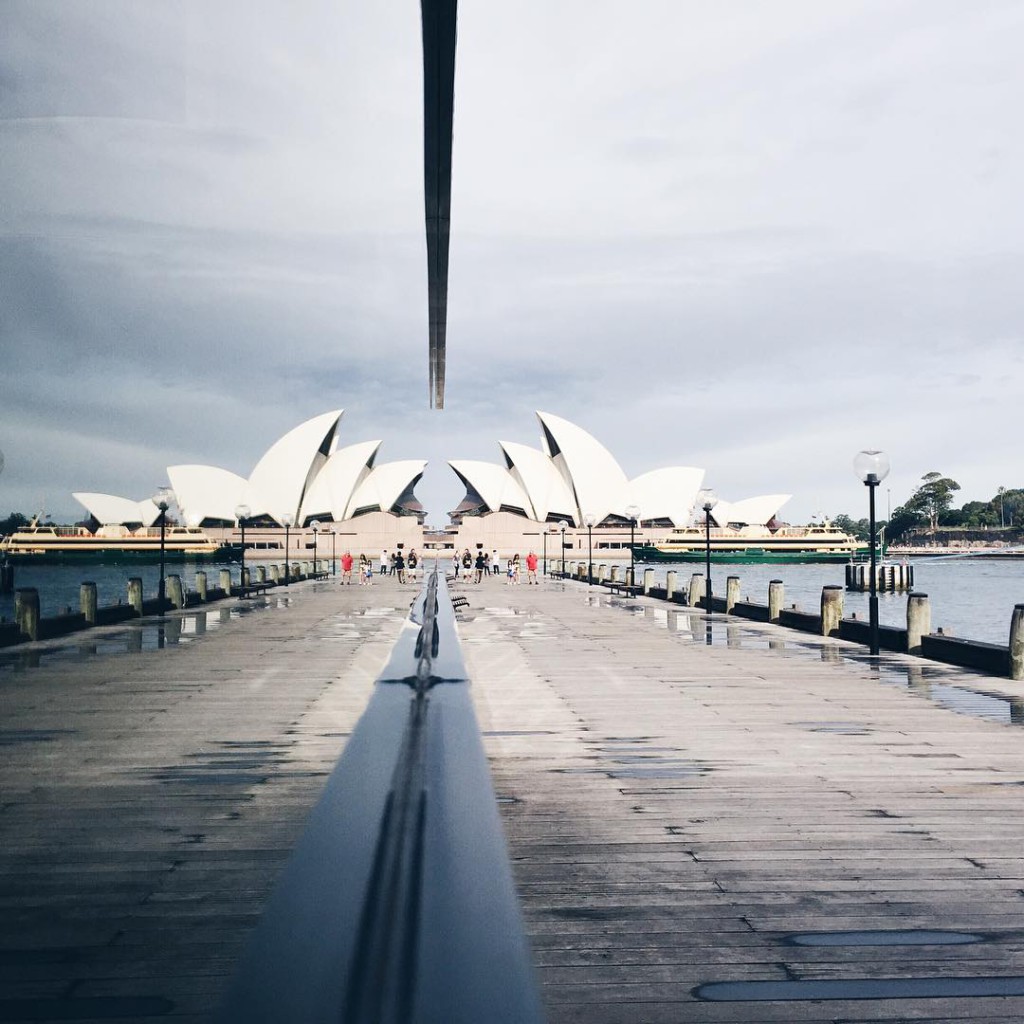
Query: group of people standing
(404, 566)
(485, 564)
(398, 564)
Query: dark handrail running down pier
(397, 906)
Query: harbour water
(970, 598)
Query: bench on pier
(323, 575)
(458, 601)
(625, 589)
(250, 589)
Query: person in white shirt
(384, 562)
(495, 562)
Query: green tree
(15, 521)
(933, 498)
(855, 527)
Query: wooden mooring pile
(894, 576)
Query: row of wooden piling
(917, 638)
(30, 625)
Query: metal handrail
(397, 905)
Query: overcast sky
(753, 237)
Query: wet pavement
(720, 820)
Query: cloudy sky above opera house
(751, 237)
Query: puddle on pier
(134, 637)
(634, 758)
(929, 680)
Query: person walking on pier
(346, 568)
(531, 568)
(400, 565)
(383, 570)
(495, 562)
(481, 565)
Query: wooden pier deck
(677, 811)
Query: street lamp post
(707, 501)
(872, 467)
(315, 527)
(633, 512)
(242, 512)
(162, 500)
(334, 557)
(287, 519)
(588, 521)
(544, 542)
(562, 524)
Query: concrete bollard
(615, 574)
(135, 593)
(732, 592)
(602, 571)
(697, 589)
(26, 612)
(261, 574)
(831, 609)
(670, 584)
(87, 602)
(1017, 643)
(225, 580)
(631, 577)
(174, 591)
(275, 574)
(246, 576)
(776, 595)
(919, 621)
(201, 585)
(648, 580)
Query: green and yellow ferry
(754, 545)
(45, 544)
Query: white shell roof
(279, 482)
(207, 492)
(758, 510)
(493, 483)
(596, 478)
(336, 482)
(385, 484)
(544, 485)
(665, 493)
(111, 509)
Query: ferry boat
(755, 544)
(42, 544)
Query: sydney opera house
(571, 482)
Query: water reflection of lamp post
(315, 527)
(242, 512)
(287, 519)
(162, 500)
(588, 521)
(633, 513)
(562, 524)
(707, 499)
(872, 467)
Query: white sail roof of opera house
(666, 493)
(493, 485)
(279, 482)
(755, 511)
(304, 474)
(109, 508)
(543, 484)
(336, 483)
(207, 492)
(386, 486)
(574, 475)
(596, 479)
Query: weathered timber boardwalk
(675, 811)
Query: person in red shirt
(346, 567)
(531, 569)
